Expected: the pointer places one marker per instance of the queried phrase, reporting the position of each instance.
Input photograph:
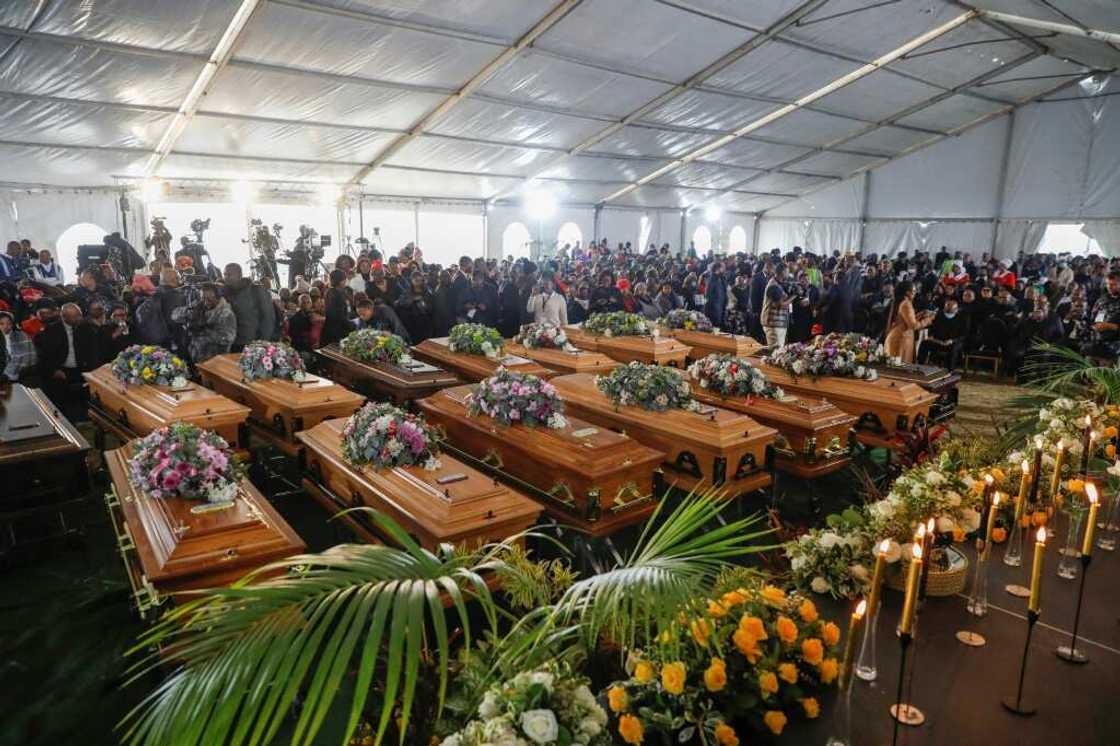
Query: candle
(1091, 526)
(1056, 482)
(927, 552)
(1086, 445)
(877, 577)
(906, 624)
(849, 644)
(1023, 486)
(1036, 469)
(1036, 570)
(991, 524)
(989, 483)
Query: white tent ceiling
(653, 103)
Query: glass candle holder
(866, 667)
(1070, 563)
(1109, 525)
(1013, 553)
(978, 598)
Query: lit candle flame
(920, 533)
(884, 546)
(1026, 467)
(1041, 535)
(861, 609)
(1038, 442)
(995, 499)
(916, 549)
(1091, 492)
(929, 526)
(988, 478)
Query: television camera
(200, 257)
(263, 247)
(160, 239)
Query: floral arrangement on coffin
(512, 398)
(865, 350)
(728, 375)
(262, 360)
(548, 706)
(833, 560)
(819, 359)
(183, 460)
(692, 321)
(753, 659)
(373, 346)
(652, 387)
(383, 436)
(618, 324)
(544, 336)
(476, 339)
(150, 364)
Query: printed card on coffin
(474, 368)
(812, 433)
(453, 504)
(711, 343)
(561, 362)
(280, 407)
(883, 407)
(931, 378)
(711, 447)
(134, 411)
(174, 544)
(590, 477)
(401, 383)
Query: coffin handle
(627, 493)
(834, 449)
(122, 416)
(562, 493)
(782, 447)
(494, 459)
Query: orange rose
(746, 644)
(812, 651)
(644, 672)
(808, 611)
(1110, 431)
(672, 677)
(716, 610)
(725, 735)
(767, 683)
(618, 699)
(773, 596)
(1110, 450)
(999, 535)
(630, 728)
(812, 707)
(787, 672)
(831, 634)
(787, 630)
(829, 669)
(958, 534)
(775, 720)
(755, 626)
(733, 598)
(715, 677)
(998, 474)
(701, 631)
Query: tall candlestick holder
(1067, 565)
(1070, 653)
(866, 666)
(1015, 704)
(904, 639)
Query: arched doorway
(516, 241)
(66, 246)
(737, 239)
(702, 240)
(569, 234)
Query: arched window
(702, 239)
(66, 247)
(569, 234)
(643, 234)
(737, 239)
(516, 241)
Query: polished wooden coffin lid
(416, 374)
(32, 428)
(281, 393)
(475, 367)
(926, 376)
(644, 349)
(577, 361)
(581, 339)
(794, 412)
(453, 511)
(708, 343)
(162, 404)
(185, 545)
(881, 393)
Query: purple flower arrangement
(692, 321)
(262, 360)
(383, 436)
(514, 398)
(832, 355)
(183, 460)
(149, 364)
(544, 336)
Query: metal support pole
(596, 228)
(864, 211)
(1001, 190)
(416, 222)
(757, 232)
(684, 229)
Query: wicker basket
(941, 582)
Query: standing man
(252, 307)
(776, 308)
(213, 326)
(547, 305)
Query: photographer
(116, 334)
(547, 305)
(213, 326)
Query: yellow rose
(672, 677)
(644, 672)
(700, 631)
(829, 669)
(787, 672)
(812, 651)
(715, 677)
(630, 728)
(148, 349)
(747, 644)
(812, 707)
(754, 626)
(775, 720)
(787, 630)
(176, 360)
(618, 699)
(716, 610)
(733, 598)
(767, 683)
(808, 611)
(773, 596)
(725, 735)
(831, 634)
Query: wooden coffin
(883, 407)
(561, 362)
(931, 378)
(710, 343)
(280, 408)
(173, 545)
(592, 478)
(812, 433)
(399, 384)
(454, 504)
(714, 446)
(580, 338)
(473, 368)
(130, 412)
(653, 350)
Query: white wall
(501, 216)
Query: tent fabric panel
(781, 70)
(705, 175)
(194, 166)
(280, 95)
(888, 140)
(579, 192)
(869, 30)
(401, 182)
(651, 196)
(194, 26)
(704, 110)
(218, 135)
(962, 54)
(294, 37)
(601, 168)
(505, 19)
(17, 15)
(541, 79)
(492, 121)
(832, 163)
(877, 96)
(785, 183)
(890, 237)
(1030, 79)
(756, 15)
(755, 153)
(840, 200)
(750, 202)
(663, 44)
(1091, 52)
(472, 157)
(812, 128)
(647, 141)
(33, 164)
(62, 123)
(951, 113)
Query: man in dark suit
(65, 349)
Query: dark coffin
(384, 381)
(587, 476)
(473, 368)
(561, 362)
(713, 447)
(172, 545)
(931, 378)
(135, 411)
(454, 504)
(280, 408)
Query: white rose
(971, 519)
(953, 498)
(820, 585)
(945, 524)
(452, 740)
(544, 678)
(1114, 470)
(584, 696)
(489, 707)
(894, 551)
(859, 572)
(540, 725)
(860, 371)
(829, 540)
(934, 478)
(798, 563)
(590, 726)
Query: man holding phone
(546, 304)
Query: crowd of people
(926, 307)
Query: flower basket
(373, 346)
(183, 460)
(692, 321)
(475, 339)
(544, 336)
(380, 435)
(262, 360)
(617, 324)
(941, 582)
(514, 398)
(140, 364)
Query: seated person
(1104, 320)
(66, 348)
(947, 335)
(17, 349)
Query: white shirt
(551, 308)
(39, 273)
(71, 358)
